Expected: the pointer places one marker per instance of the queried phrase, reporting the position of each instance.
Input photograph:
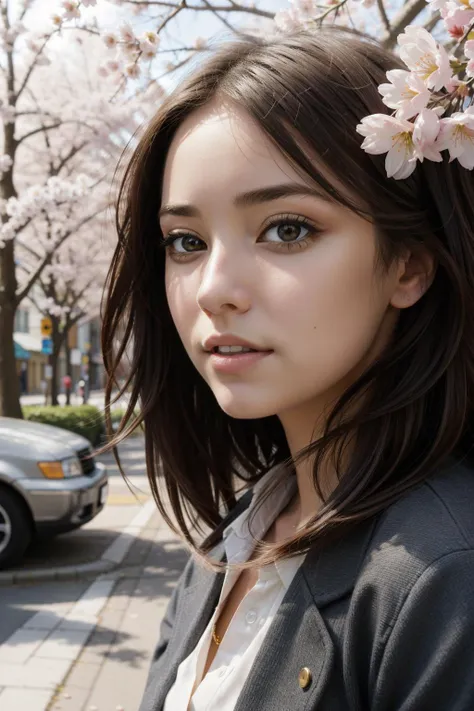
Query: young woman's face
(261, 259)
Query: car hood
(35, 441)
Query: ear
(415, 274)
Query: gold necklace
(215, 636)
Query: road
(96, 398)
(86, 644)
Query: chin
(240, 407)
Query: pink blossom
(71, 9)
(406, 92)
(404, 142)
(457, 136)
(126, 33)
(425, 57)
(425, 132)
(110, 40)
(393, 136)
(148, 50)
(132, 71)
(152, 38)
(457, 19)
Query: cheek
(332, 313)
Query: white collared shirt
(220, 688)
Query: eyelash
(276, 221)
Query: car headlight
(65, 469)
(72, 467)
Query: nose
(225, 284)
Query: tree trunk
(57, 343)
(67, 350)
(9, 382)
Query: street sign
(47, 346)
(46, 327)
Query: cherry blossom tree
(70, 287)
(60, 143)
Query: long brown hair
(306, 89)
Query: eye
(286, 231)
(183, 243)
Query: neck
(300, 430)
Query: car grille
(87, 461)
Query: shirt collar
(239, 536)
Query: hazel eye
(185, 243)
(287, 232)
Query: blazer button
(305, 677)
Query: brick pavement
(111, 671)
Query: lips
(213, 342)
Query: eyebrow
(248, 199)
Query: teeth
(233, 349)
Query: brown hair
(418, 395)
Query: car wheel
(15, 529)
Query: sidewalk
(111, 671)
(95, 651)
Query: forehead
(221, 148)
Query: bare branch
(405, 17)
(383, 15)
(233, 7)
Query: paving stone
(24, 700)
(82, 675)
(35, 674)
(71, 700)
(18, 648)
(63, 644)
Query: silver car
(49, 484)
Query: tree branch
(383, 15)
(407, 14)
(233, 7)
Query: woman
(303, 324)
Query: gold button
(305, 677)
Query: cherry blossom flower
(102, 71)
(425, 57)
(126, 33)
(152, 38)
(457, 136)
(110, 40)
(426, 130)
(71, 9)
(469, 52)
(457, 19)
(406, 92)
(200, 43)
(132, 70)
(148, 50)
(113, 65)
(57, 20)
(397, 138)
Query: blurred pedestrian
(67, 383)
(312, 344)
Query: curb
(109, 561)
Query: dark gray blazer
(384, 620)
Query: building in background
(80, 357)
(30, 361)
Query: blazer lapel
(297, 641)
